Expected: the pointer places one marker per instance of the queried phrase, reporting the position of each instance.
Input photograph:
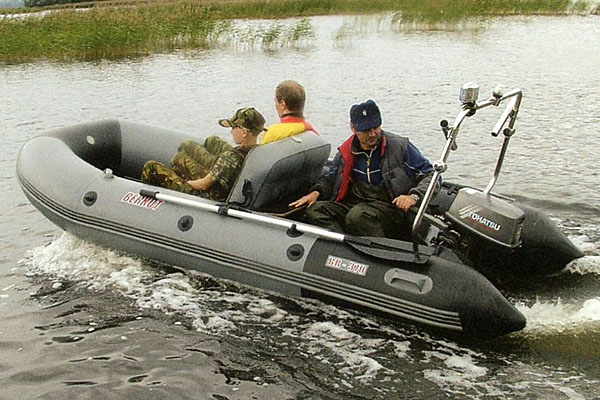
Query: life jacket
(345, 150)
(395, 178)
(289, 125)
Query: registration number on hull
(346, 265)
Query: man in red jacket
(374, 179)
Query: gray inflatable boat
(84, 178)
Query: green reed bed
(448, 11)
(105, 33)
(420, 9)
(132, 28)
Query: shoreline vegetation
(112, 30)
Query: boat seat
(279, 172)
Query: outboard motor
(488, 217)
(485, 229)
(479, 212)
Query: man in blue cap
(375, 177)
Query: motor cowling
(487, 217)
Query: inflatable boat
(84, 178)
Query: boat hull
(103, 206)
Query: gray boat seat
(279, 172)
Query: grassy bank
(113, 30)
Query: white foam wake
(358, 360)
(97, 268)
(584, 265)
(556, 316)
(212, 311)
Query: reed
(449, 11)
(105, 33)
(132, 28)
(431, 10)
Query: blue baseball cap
(365, 116)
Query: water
(79, 321)
(10, 3)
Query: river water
(79, 321)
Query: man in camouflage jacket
(209, 170)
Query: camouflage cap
(246, 117)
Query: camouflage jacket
(225, 172)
